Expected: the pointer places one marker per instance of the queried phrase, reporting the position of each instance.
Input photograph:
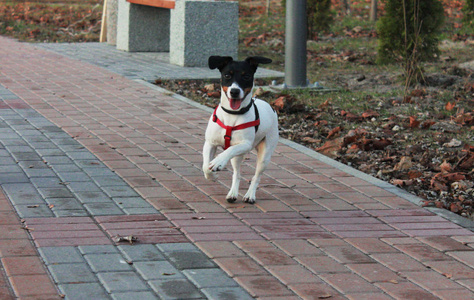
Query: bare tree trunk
(346, 6)
(373, 10)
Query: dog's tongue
(235, 103)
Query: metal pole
(295, 43)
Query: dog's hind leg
(234, 190)
(264, 153)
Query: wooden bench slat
(156, 3)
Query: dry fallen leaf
(450, 106)
(393, 281)
(404, 164)
(131, 239)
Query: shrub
(409, 27)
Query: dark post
(295, 43)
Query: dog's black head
(237, 77)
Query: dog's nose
(234, 93)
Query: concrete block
(72, 273)
(81, 291)
(175, 289)
(122, 282)
(120, 191)
(98, 249)
(109, 262)
(217, 293)
(103, 209)
(142, 28)
(64, 204)
(141, 252)
(199, 29)
(60, 255)
(37, 210)
(205, 278)
(150, 270)
(140, 210)
(134, 295)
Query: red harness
(229, 129)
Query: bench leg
(142, 28)
(199, 29)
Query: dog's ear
(254, 61)
(219, 62)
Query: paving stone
(140, 210)
(219, 293)
(175, 289)
(60, 255)
(92, 197)
(134, 295)
(109, 181)
(183, 259)
(70, 213)
(64, 204)
(107, 262)
(122, 282)
(13, 178)
(60, 192)
(141, 252)
(7, 169)
(22, 193)
(83, 187)
(21, 156)
(83, 291)
(81, 155)
(47, 182)
(72, 273)
(74, 177)
(66, 168)
(150, 270)
(173, 247)
(5, 161)
(38, 210)
(97, 249)
(94, 171)
(39, 172)
(119, 191)
(131, 202)
(103, 209)
(207, 278)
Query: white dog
(239, 124)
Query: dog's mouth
(235, 103)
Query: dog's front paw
(209, 175)
(217, 164)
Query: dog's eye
(227, 76)
(247, 77)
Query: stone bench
(190, 30)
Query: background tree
(468, 11)
(373, 10)
(409, 33)
(346, 7)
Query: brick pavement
(87, 154)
